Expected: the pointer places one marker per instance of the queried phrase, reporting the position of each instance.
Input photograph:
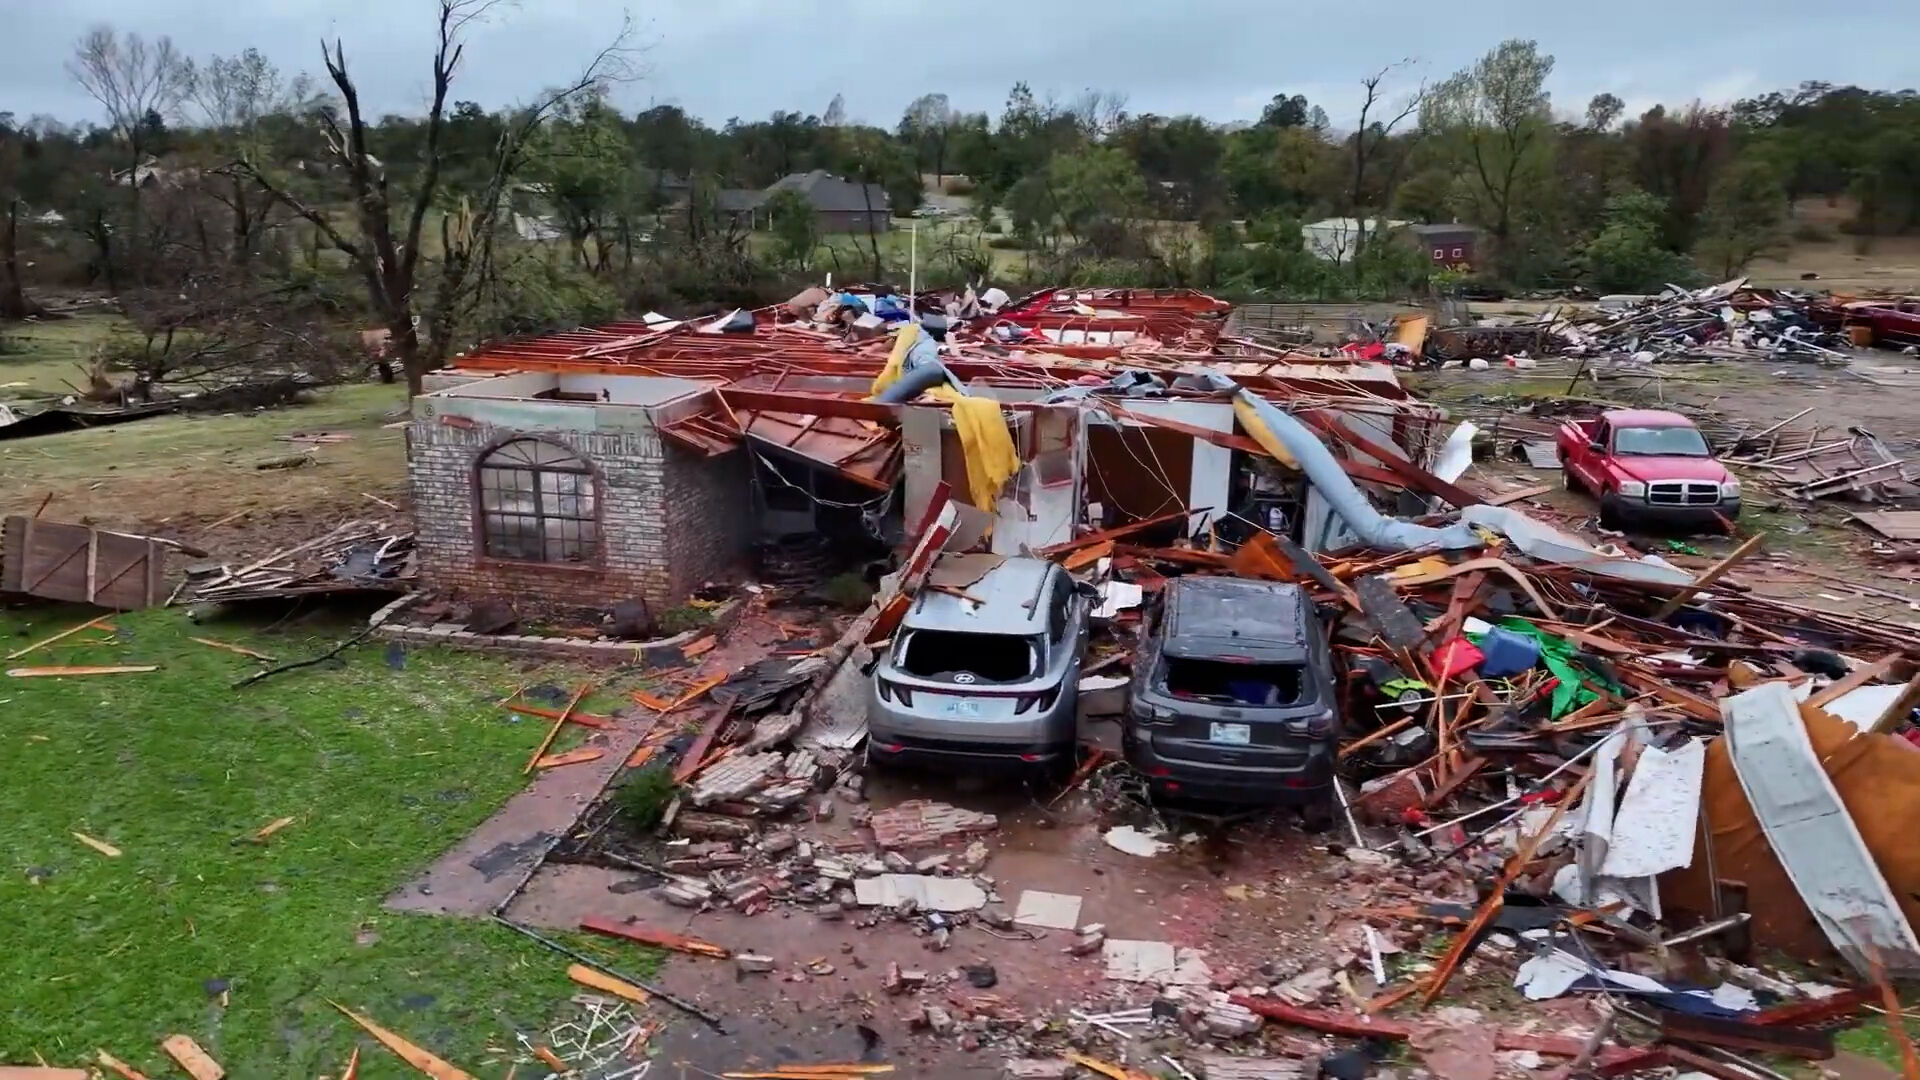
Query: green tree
(927, 126)
(1627, 255)
(581, 161)
(1495, 118)
(796, 231)
(1745, 216)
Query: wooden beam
(1714, 573)
(1854, 680)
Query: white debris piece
(929, 893)
(1051, 911)
(1135, 842)
(1156, 962)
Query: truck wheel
(1610, 514)
(1567, 479)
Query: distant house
(1338, 239)
(839, 206)
(1450, 245)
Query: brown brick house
(560, 489)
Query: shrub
(1808, 232)
(1004, 243)
(642, 800)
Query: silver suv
(993, 675)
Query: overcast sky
(1220, 58)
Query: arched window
(537, 503)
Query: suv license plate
(1231, 734)
(963, 707)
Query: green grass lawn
(384, 765)
(44, 356)
(201, 467)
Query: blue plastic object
(1507, 653)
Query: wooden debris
(698, 647)
(1107, 1069)
(194, 1061)
(571, 757)
(592, 720)
(270, 828)
(646, 935)
(100, 846)
(1714, 573)
(554, 731)
(691, 762)
(98, 669)
(1084, 557)
(420, 1059)
(358, 556)
(1108, 535)
(607, 984)
(120, 1068)
(241, 649)
(352, 1071)
(552, 1060)
(640, 756)
(101, 621)
(1855, 679)
(42, 1072)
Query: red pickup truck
(1648, 466)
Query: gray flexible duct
(1334, 485)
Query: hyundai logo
(964, 677)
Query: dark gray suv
(1233, 696)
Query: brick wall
(668, 519)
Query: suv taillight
(1045, 700)
(890, 691)
(1318, 725)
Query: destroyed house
(641, 460)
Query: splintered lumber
(1115, 533)
(98, 669)
(232, 648)
(352, 1071)
(1490, 907)
(413, 1055)
(88, 625)
(592, 720)
(552, 1060)
(196, 1062)
(554, 731)
(696, 754)
(1613, 1061)
(1087, 556)
(607, 984)
(1714, 573)
(41, 1072)
(119, 1068)
(647, 935)
(1855, 679)
(100, 846)
(640, 756)
(270, 828)
(571, 757)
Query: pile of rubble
(356, 557)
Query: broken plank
(698, 647)
(101, 669)
(640, 756)
(270, 828)
(89, 624)
(232, 648)
(41, 1072)
(119, 1068)
(423, 1060)
(690, 763)
(1084, 557)
(571, 757)
(1713, 573)
(592, 720)
(647, 935)
(1854, 680)
(194, 1061)
(554, 731)
(100, 846)
(607, 984)
(1114, 533)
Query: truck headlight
(1633, 489)
(1730, 489)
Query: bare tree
(133, 81)
(1371, 133)
(235, 96)
(385, 246)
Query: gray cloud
(1219, 58)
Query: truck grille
(1683, 493)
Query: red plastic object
(1457, 656)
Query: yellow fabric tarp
(982, 427)
(1250, 421)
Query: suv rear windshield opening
(994, 658)
(1243, 684)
